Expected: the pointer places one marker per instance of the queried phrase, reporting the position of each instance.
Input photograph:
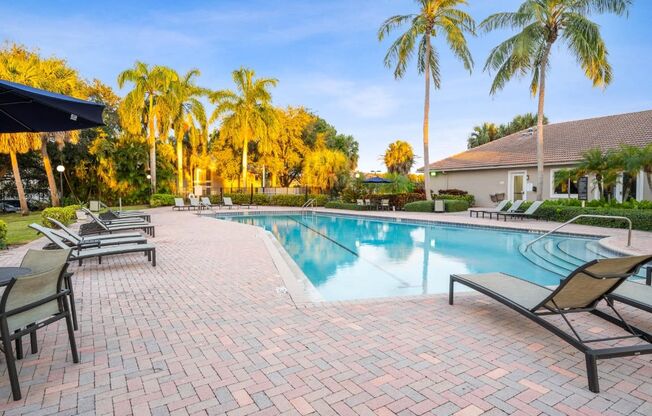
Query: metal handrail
(613, 217)
(308, 203)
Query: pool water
(356, 258)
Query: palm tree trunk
(426, 112)
(152, 143)
(24, 210)
(245, 151)
(180, 163)
(54, 195)
(542, 93)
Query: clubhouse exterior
(508, 165)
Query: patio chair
(228, 202)
(581, 291)
(100, 227)
(527, 214)
(111, 214)
(501, 205)
(90, 243)
(359, 202)
(31, 302)
(384, 204)
(634, 294)
(179, 205)
(206, 203)
(512, 208)
(83, 253)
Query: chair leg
(154, 257)
(19, 348)
(11, 364)
(71, 337)
(71, 298)
(592, 373)
(450, 292)
(32, 340)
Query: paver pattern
(206, 332)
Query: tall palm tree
(247, 114)
(399, 157)
(434, 18)
(541, 24)
(141, 108)
(187, 111)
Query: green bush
(598, 203)
(3, 234)
(455, 205)
(346, 205)
(277, 200)
(641, 218)
(65, 215)
(420, 206)
(161, 200)
(470, 199)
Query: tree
(320, 131)
(564, 177)
(435, 17)
(542, 23)
(399, 157)
(644, 160)
(326, 169)
(142, 108)
(604, 166)
(288, 146)
(19, 143)
(187, 113)
(482, 134)
(246, 115)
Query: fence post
(305, 199)
(251, 198)
(221, 194)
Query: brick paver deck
(206, 332)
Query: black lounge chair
(581, 291)
(99, 227)
(527, 214)
(110, 214)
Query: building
(508, 165)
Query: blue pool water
(356, 258)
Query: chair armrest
(89, 244)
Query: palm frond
(584, 40)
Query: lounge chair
(501, 205)
(384, 204)
(581, 291)
(228, 202)
(80, 242)
(206, 203)
(359, 202)
(82, 253)
(29, 303)
(195, 204)
(93, 238)
(99, 227)
(634, 294)
(111, 214)
(179, 204)
(513, 208)
(527, 214)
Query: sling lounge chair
(579, 292)
(513, 208)
(82, 253)
(179, 205)
(195, 204)
(527, 214)
(206, 203)
(228, 202)
(90, 243)
(633, 294)
(501, 205)
(101, 227)
(112, 214)
(93, 238)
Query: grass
(18, 231)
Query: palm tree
(564, 177)
(399, 157)
(435, 17)
(542, 23)
(141, 108)
(485, 133)
(19, 143)
(187, 111)
(247, 114)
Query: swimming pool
(348, 257)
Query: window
(561, 187)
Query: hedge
(470, 199)
(346, 205)
(65, 215)
(420, 206)
(455, 205)
(161, 200)
(3, 234)
(641, 218)
(277, 200)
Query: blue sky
(327, 58)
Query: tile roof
(563, 143)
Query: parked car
(6, 207)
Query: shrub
(420, 206)
(641, 218)
(453, 191)
(470, 199)
(278, 200)
(3, 234)
(65, 215)
(455, 205)
(161, 200)
(346, 205)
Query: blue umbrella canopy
(377, 179)
(25, 109)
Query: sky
(327, 58)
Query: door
(517, 184)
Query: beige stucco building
(508, 165)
